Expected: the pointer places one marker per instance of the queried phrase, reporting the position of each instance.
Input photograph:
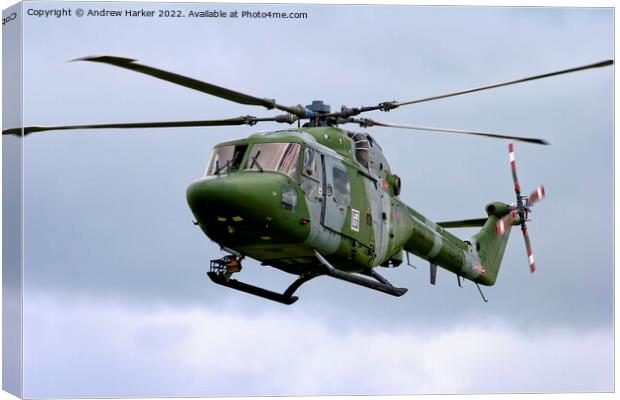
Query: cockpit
(280, 157)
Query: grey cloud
(169, 351)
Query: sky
(115, 270)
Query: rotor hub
(319, 107)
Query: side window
(312, 176)
(341, 186)
(309, 161)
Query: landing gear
(223, 268)
(381, 284)
(227, 265)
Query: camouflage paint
(243, 210)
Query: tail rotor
(519, 212)
(537, 195)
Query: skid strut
(381, 284)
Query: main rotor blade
(395, 104)
(369, 123)
(249, 120)
(191, 83)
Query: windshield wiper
(255, 161)
(224, 168)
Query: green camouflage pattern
(339, 198)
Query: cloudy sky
(115, 270)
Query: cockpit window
(312, 176)
(282, 157)
(309, 161)
(226, 158)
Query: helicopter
(317, 200)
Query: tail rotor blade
(528, 247)
(537, 195)
(504, 224)
(521, 210)
(513, 167)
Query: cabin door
(346, 204)
(336, 194)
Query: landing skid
(284, 298)
(381, 284)
(223, 268)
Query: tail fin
(489, 245)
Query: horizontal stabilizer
(464, 223)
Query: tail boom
(477, 259)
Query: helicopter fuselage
(279, 196)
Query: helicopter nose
(247, 208)
(237, 197)
(207, 194)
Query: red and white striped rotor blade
(505, 223)
(537, 195)
(528, 247)
(513, 167)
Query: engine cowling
(394, 183)
(497, 209)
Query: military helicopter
(317, 200)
